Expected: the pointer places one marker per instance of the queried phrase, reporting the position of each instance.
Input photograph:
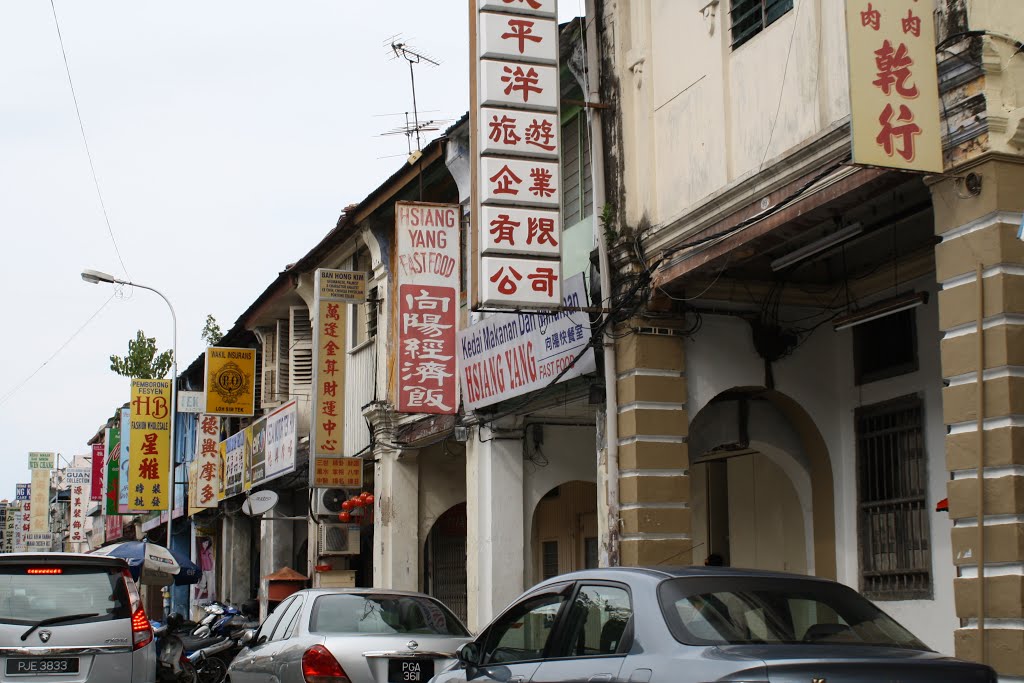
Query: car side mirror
(468, 654)
(247, 636)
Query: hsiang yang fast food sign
(509, 354)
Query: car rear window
(27, 597)
(746, 610)
(382, 615)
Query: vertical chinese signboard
(230, 387)
(332, 291)
(113, 441)
(149, 474)
(78, 480)
(39, 518)
(894, 92)
(428, 287)
(517, 144)
(207, 462)
(96, 487)
(123, 499)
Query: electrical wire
(85, 140)
(782, 87)
(25, 381)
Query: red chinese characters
(427, 327)
(208, 459)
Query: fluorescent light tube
(809, 250)
(881, 309)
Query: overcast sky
(226, 137)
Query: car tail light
(142, 632)
(47, 571)
(320, 666)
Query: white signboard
(191, 401)
(280, 438)
(37, 542)
(79, 480)
(508, 354)
(518, 144)
(21, 528)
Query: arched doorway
(761, 484)
(444, 560)
(564, 534)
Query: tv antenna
(403, 50)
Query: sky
(226, 138)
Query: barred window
(747, 18)
(895, 544)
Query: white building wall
(819, 376)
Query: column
(276, 545)
(396, 561)
(983, 228)
(495, 533)
(654, 481)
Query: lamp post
(96, 277)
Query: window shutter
(300, 358)
(283, 360)
(571, 176)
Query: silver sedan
(359, 635)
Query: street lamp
(96, 277)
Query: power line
(25, 381)
(85, 140)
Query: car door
(275, 649)
(250, 666)
(593, 637)
(513, 645)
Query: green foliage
(142, 361)
(607, 219)
(211, 331)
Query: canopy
(149, 563)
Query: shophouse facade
(801, 391)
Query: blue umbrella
(135, 553)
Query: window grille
(747, 18)
(549, 553)
(892, 490)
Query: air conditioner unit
(327, 502)
(338, 539)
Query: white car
(357, 635)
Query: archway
(444, 560)
(761, 481)
(564, 534)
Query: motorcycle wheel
(213, 671)
(188, 673)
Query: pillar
(984, 229)
(234, 555)
(276, 545)
(396, 561)
(654, 481)
(495, 534)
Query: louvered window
(892, 475)
(747, 18)
(577, 183)
(300, 357)
(361, 312)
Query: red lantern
(368, 500)
(344, 516)
(346, 506)
(357, 502)
(364, 495)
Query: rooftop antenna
(403, 50)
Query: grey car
(359, 635)
(72, 618)
(699, 624)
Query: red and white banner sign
(208, 459)
(79, 481)
(96, 487)
(518, 144)
(428, 304)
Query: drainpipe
(980, 411)
(609, 545)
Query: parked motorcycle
(172, 666)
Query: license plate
(28, 666)
(410, 670)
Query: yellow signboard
(329, 382)
(230, 381)
(345, 473)
(342, 285)
(894, 91)
(150, 444)
(39, 516)
(40, 461)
